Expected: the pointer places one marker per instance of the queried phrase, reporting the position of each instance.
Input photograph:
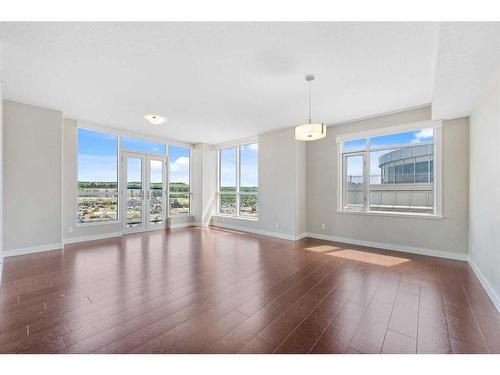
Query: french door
(144, 192)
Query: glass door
(144, 181)
(354, 188)
(156, 194)
(134, 194)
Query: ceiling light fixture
(155, 119)
(309, 131)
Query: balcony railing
(400, 178)
(397, 197)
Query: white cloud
(423, 135)
(179, 164)
(253, 147)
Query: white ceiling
(468, 57)
(217, 82)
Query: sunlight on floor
(322, 249)
(361, 256)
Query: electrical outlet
(323, 226)
(277, 224)
(70, 228)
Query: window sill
(91, 224)
(236, 217)
(392, 214)
(180, 215)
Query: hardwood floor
(199, 290)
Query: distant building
(411, 164)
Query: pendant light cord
(309, 102)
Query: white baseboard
(393, 247)
(32, 249)
(181, 225)
(259, 231)
(204, 225)
(92, 237)
(486, 284)
(300, 236)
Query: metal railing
(400, 178)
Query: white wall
(32, 178)
(300, 189)
(204, 183)
(448, 234)
(484, 226)
(281, 187)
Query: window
(179, 189)
(238, 181)
(97, 177)
(390, 171)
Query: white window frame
(190, 193)
(437, 168)
(238, 178)
(120, 134)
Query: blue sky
(97, 158)
(249, 165)
(179, 164)
(424, 135)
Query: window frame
(190, 193)
(437, 168)
(237, 191)
(344, 157)
(120, 134)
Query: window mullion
(368, 173)
(344, 181)
(218, 181)
(238, 169)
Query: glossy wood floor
(217, 291)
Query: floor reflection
(362, 256)
(322, 248)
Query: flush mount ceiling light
(155, 119)
(309, 131)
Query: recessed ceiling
(217, 82)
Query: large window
(179, 189)
(97, 177)
(238, 181)
(390, 171)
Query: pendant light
(310, 131)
